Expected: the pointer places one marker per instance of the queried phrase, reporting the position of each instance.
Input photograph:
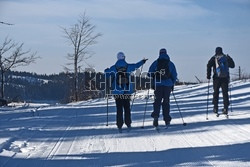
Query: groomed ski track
(76, 134)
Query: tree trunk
(2, 84)
(76, 80)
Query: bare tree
(80, 36)
(12, 56)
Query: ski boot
(225, 112)
(167, 123)
(155, 122)
(216, 111)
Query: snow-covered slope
(76, 134)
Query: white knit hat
(120, 56)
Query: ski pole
(184, 124)
(145, 110)
(107, 111)
(231, 103)
(107, 96)
(135, 88)
(207, 98)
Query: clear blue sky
(189, 29)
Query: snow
(30, 79)
(76, 134)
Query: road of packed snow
(76, 134)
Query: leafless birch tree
(12, 56)
(80, 36)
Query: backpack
(162, 70)
(122, 76)
(221, 64)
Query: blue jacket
(111, 72)
(164, 82)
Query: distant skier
(122, 87)
(221, 64)
(164, 75)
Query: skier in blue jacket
(164, 76)
(122, 87)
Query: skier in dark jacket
(122, 87)
(164, 75)
(221, 64)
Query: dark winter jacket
(211, 63)
(164, 82)
(112, 71)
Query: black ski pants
(122, 102)
(223, 84)
(162, 93)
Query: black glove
(144, 61)
(208, 77)
(172, 88)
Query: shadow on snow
(198, 156)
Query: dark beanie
(163, 51)
(218, 51)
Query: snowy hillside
(76, 134)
